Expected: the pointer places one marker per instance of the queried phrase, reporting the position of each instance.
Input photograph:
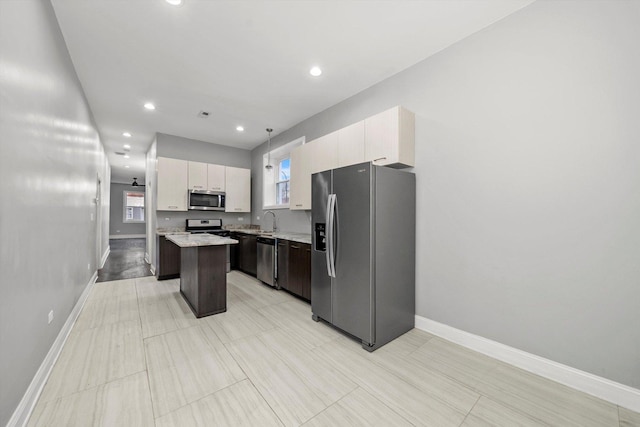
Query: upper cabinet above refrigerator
(389, 138)
(386, 139)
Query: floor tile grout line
(467, 414)
(417, 387)
(252, 384)
(144, 351)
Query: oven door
(206, 200)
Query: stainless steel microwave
(206, 200)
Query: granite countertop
(171, 230)
(190, 240)
(284, 235)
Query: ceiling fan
(135, 183)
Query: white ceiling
(245, 62)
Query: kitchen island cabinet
(203, 271)
(168, 259)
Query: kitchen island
(203, 271)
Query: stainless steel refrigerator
(363, 256)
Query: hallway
(125, 261)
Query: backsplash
(170, 219)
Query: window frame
(270, 181)
(125, 207)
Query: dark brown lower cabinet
(244, 255)
(295, 267)
(283, 264)
(248, 254)
(305, 274)
(168, 259)
(234, 251)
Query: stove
(210, 226)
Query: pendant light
(269, 167)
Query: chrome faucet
(274, 228)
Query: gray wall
(177, 147)
(116, 224)
(50, 159)
(528, 181)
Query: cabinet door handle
(299, 204)
(295, 247)
(172, 207)
(381, 158)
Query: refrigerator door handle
(331, 219)
(329, 232)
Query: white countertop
(191, 240)
(171, 230)
(283, 235)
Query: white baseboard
(146, 258)
(152, 268)
(611, 391)
(105, 256)
(128, 236)
(22, 413)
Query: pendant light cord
(269, 130)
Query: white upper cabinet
(216, 177)
(324, 153)
(238, 189)
(172, 184)
(197, 176)
(389, 138)
(203, 176)
(386, 139)
(351, 144)
(300, 183)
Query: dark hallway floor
(125, 261)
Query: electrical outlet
(240, 218)
(91, 215)
(167, 219)
(89, 266)
(50, 317)
(257, 218)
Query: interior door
(352, 296)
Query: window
(282, 183)
(133, 206)
(276, 180)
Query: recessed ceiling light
(174, 2)
(126, 156)
(149, 106)
(126, 134)
(126, 166)
(240, 129)
(315, 71)
(127, 146)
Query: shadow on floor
(125, 261)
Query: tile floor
(125, 260)
(138, 357)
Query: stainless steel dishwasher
(266, 260)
